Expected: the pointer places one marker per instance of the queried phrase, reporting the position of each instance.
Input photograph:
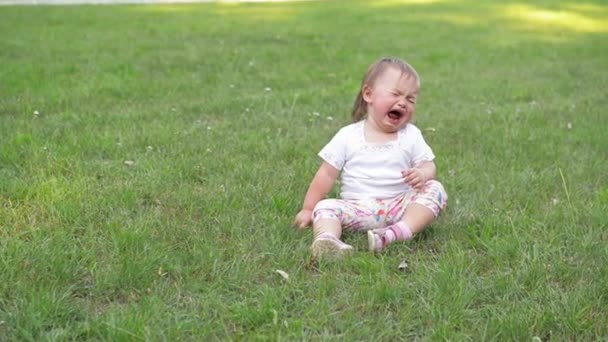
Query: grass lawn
(152, 159)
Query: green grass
(214, 103)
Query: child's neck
(374, 134)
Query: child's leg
(417, 217)
(327, 230)
(326, 243)
(421, 208)
(331, 216)
(326, 217)
(327, 227)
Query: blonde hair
(373, 72)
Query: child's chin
(391, 129)
(397, 124)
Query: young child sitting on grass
(388, 186)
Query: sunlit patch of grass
(592, 10)
(249, 9)
(167, 8)
(263, 13)
(383, 3)
(539, 18)
(463, 19)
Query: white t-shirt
(373, 170)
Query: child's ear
(366, 93)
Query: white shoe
(374, 240)
(330, 248)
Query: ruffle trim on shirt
(377, 148)
(364, 146)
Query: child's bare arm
(319, 187)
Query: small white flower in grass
(431, 129)
(208, 128)
(267, 89)
(173, 109)
(283, 274)
(208, 150)
(36, 113)
(231, 86)
(569, 125)
(119, 143)
(247, 109)
(554, 201)
(149, 148)
(316, 114)
(403, 266)
(330, 118)
(251, 63)
(129, 162)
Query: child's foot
(375, 241)
(329, 247)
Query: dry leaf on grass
(283, 274)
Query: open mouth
(395, 115)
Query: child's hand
(303, 219)
(414, 177)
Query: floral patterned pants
(379, 213)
